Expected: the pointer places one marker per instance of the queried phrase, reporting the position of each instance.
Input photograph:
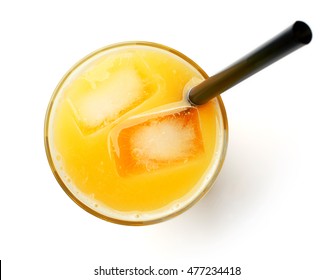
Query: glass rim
(66, 189)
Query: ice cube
(122, 91)
(159, 142)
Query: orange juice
(123, 141)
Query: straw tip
(302, 32)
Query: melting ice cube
(159, 142)
(114, 97)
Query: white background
(270, 211)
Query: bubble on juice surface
(111, 92)
(159, 142)
(176, 206)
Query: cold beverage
(122, 139)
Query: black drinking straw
(291, 39)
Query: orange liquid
(99, 147)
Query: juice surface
(124, 139)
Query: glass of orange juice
(122, 140)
